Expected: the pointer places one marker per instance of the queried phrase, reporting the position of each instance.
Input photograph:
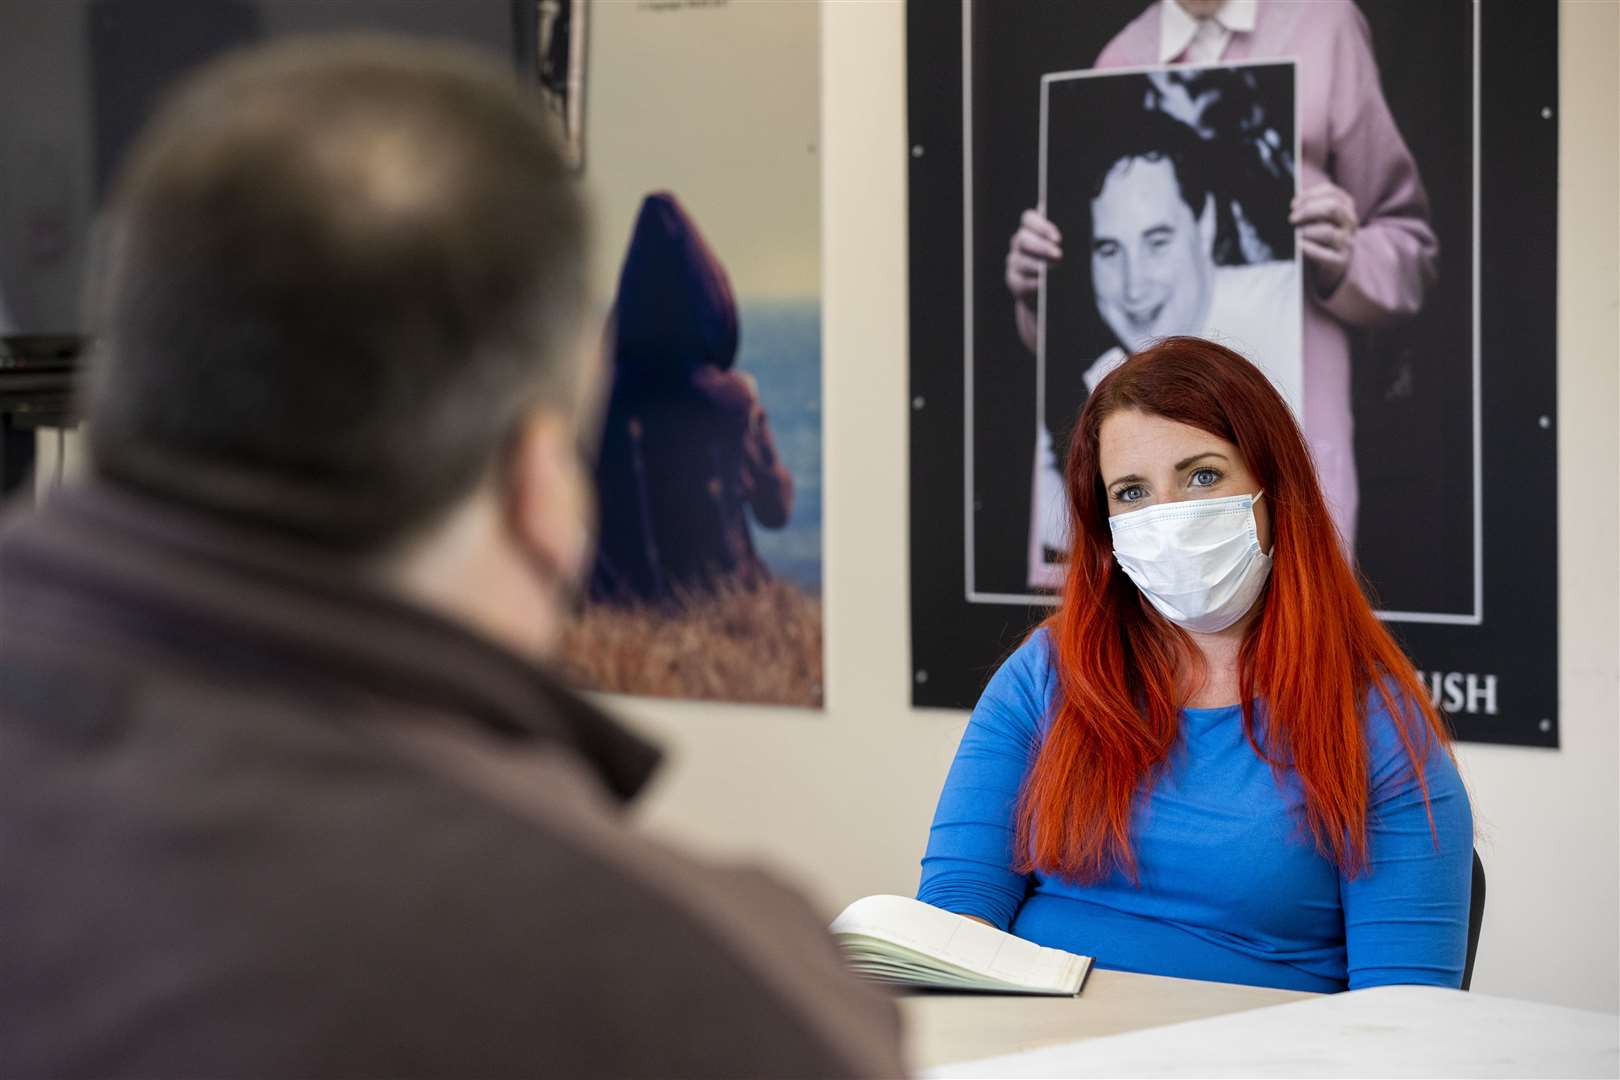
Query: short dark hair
(336, 276)
(1151, 135)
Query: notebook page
(960, 942)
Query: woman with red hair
(1212, 761)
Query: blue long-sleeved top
(1230, 884)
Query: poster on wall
(705, 181)
(1408, 186)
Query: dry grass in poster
(736, 644)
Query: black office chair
(1476, 915)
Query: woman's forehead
(1133, 440)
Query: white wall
(842, 801)
(1548, 820)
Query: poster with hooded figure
(687, 456)
(703, 171)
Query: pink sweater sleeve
(1396, 255)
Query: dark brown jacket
(257, 818)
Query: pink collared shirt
(1343, 118)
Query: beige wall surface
(716, 103)
(841, 802)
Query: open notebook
(895, 939)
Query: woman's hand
(1036, 243)
(1325, 216)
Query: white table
(944, 1028)
(1143, 1025)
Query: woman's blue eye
(1129, 494)
(1205, 477)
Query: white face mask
(1198, 562)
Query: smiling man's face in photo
(1151, 267)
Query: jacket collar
(222, 594)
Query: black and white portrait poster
(1178, 184)
(1358, 196)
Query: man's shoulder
(580, 927)
(329, 873)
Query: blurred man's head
(1152, 232)
(338, 300)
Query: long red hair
(1312, 659)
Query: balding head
(337, 278)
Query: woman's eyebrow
(1184, 462)
(1132, 478)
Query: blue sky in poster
(781, 347)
